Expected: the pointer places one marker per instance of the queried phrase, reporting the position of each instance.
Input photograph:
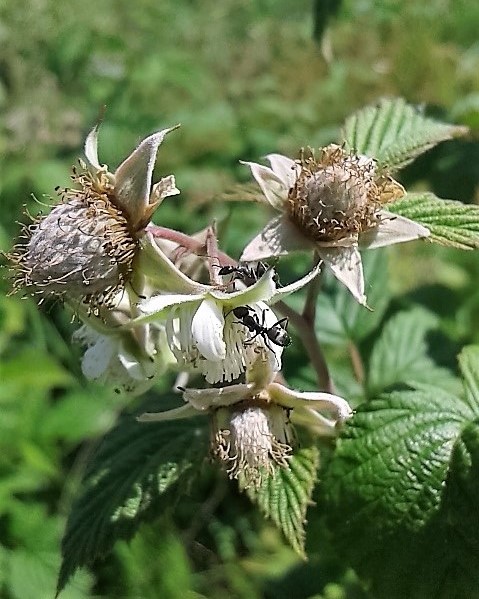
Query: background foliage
(244, 79)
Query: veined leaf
(285, 496)
(401, 491)
(451, 223)
(400, 354)
(395, 133)
(129, 481)
(469, 364)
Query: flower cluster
(153, 299)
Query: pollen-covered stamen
(251, 439)
(82, 250)
(337, 196)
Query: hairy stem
(193, 245)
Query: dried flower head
(332, 205)
(338, 196)
(84, 249)
(251, 422)
(250, 439)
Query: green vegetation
(244, 79)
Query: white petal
(279, 237)
(393, 229)
(283, 292)
(347, 267)
(91, 148)
(262, 290)
(157, 306)
(319, 425)
(289, 398)
(285, 168)
(174, 414)
(96, 360)
(133, 177)
(207, 330)
(273, 187)
(203, 399)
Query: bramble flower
(84, 249)
(123, 361)
(203, 331)
(332, 205)
(251, 425)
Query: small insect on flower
(84, 249)
(276, 333)
(248, 273)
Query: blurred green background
(244, 78)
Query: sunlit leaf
(451, 223)
(395, 133)
(285, 496)
(401, 491)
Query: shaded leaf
(400, 354)
(340, 317)
(451, 223)
(395, 133)
(401, 492)
(285, 496)
(469, 365)
(129, 481)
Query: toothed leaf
(285, 496)
(395, 133)
(451, 223)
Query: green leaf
(395, 133)
(469, 365)
(285, 496)
(33, 369)
(32, 576)
(340, 317)
(451, 223)
(401, 492)
(130, 480)
(400, 354)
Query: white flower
(251, 422)
(123, 361)
(332, 205)
(203, 325)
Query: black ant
(247, 273)
(276, 334)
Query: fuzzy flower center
(82, 250)
(252, 440)
(337, 196)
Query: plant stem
(311, 345)
(357, 363)
(187, 241)
(309, 310)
